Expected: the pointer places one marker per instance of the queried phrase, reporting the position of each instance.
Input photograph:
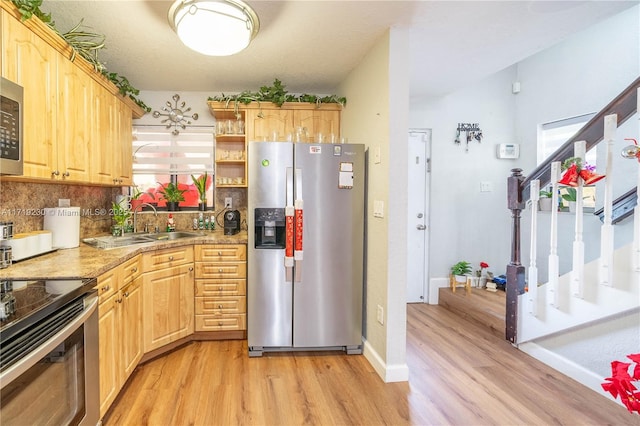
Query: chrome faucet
(135, 215)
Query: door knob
(421, 227)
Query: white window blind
(552, 135)
(158, 152)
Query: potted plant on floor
(460, 271)
(172, 195)
(544, 203)
(201, 185)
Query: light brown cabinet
(69, 109)
(264, 122)
(119, 328)
(220, 292)
(167, 292)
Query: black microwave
(11, 127)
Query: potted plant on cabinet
(172, 195)
(201, 185)
(460, 271)
(136, 197)
(121, 215)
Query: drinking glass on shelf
(320, 138)
(220, 126)
(240, 127)
(333, 138)
(344, 140)
(229, 128)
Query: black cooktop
(23, 302)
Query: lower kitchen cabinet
(120, 329)
(220, 290)
(167, 294)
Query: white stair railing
(532, 291)
(577, 267)
(605, 270)
(554, 262)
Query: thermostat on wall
(508, 150)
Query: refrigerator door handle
(299, 225)
(289, 212)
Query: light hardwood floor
(459, 374)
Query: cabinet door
(131, 327)
(105, 150)
(279, 121)
(168, 305)
(109, 352)
(75, 108)
(318, 121)
(125, 143)
(32, 63)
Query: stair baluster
(577, 271)
(606, 230)
(532, 290)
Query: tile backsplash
(23, 202)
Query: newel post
(515, 270)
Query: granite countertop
(88, 262)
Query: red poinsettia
(621, 382)
(484, 265)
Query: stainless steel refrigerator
(306, 209)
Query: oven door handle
(13, 372)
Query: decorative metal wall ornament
(472, 130)
(176, 115)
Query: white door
(418, 211)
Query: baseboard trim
(388, 373)
(567, 367)
(435, 284)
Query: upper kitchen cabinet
(64, 122)
(265, 122)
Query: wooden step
(479, 306)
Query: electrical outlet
(228, 202)
(380, 315)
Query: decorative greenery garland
(276, 94)
(83, 43)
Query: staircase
(572, 293)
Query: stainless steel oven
(11, 127)
(49, 353)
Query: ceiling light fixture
(214, 27)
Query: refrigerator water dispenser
(269, 228)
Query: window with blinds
(159, 157)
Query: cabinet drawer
(221, 270)
(108, 284)
(228, 322)
(221, 307)
(221, 252)
(217, 288)
(131, 269)
(167, 258)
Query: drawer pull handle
(126, 294)
(220, 270)
(170, 258)
(219, 253)
(220, 288)
(191, 269)
(106, 288)
(220, 306)
(134, 269)
(220, 323)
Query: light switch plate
(486, 186)
(376, 155)
(378, 208)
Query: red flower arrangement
(620, 384)
(483, 266)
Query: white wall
(580, 75)
(376, 115)
(467, 224)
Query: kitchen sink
(159, 236)
(110, 242)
